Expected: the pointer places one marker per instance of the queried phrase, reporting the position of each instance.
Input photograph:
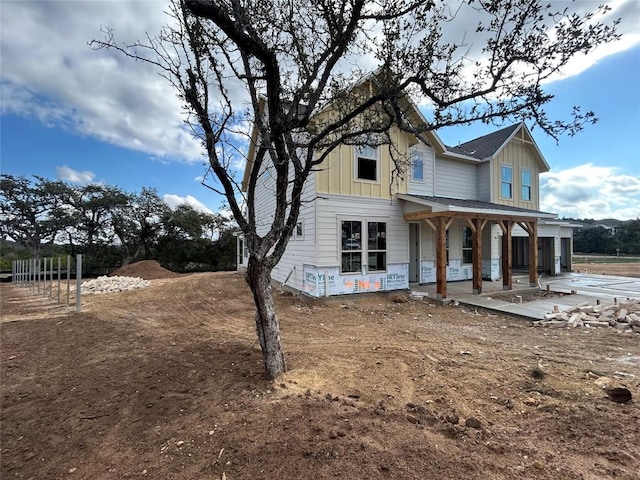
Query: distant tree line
(112, 228)
(594, 237)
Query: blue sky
(84, 116)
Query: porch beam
(424, 215)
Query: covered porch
(439, 213)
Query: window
(367, 163)
(240, 250)
(354, 247)
(526, 185)
(417, 163)
(297, 233)
(351, 246)
(377, 246)
(506, 176)
(467, 245)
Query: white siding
(455, 179)
(332, 209)
(299, 250)
(484, 181)
(424, 187)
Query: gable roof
(487, 145)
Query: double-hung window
(377, 246)
(526, 185)
(351, 246)
(506, 181)
(355, 247)
(417, 165)
(367, 163)
(467, 245)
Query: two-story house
(469, 212)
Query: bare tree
(361, 63)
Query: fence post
(58, 279)
(38, 273)
(44, 280)
(51, 279)
(78, 282)
(68, 279)
(33, 273)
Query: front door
(414, 252)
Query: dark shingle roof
(485, 146)
(477, 204)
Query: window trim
(503, 182)
(465, 228)
(364, 244)
(357, 156)
(413, 165)
(523, 185)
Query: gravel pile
(102, 285)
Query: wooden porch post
(441, 259)
(531, 227)
(507, 253)
(477, 225)
(533, 253)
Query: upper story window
(417, 165)
(526, 185)
(367, 163)
(506, 181)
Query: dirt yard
(622, 269)
(167, 383)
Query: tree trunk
(267, 325)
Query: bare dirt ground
(167, 383)
(622, 269)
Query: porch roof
(456, 207)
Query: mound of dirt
(146, 269)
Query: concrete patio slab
(588, 288)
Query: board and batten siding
(455, 179)
(331, 210)
(519, 156)
(337, 175)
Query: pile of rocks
(102, 285)
(624, 316)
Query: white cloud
(49, 72)
(68, 174)
(590, 191)
(174, 200)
